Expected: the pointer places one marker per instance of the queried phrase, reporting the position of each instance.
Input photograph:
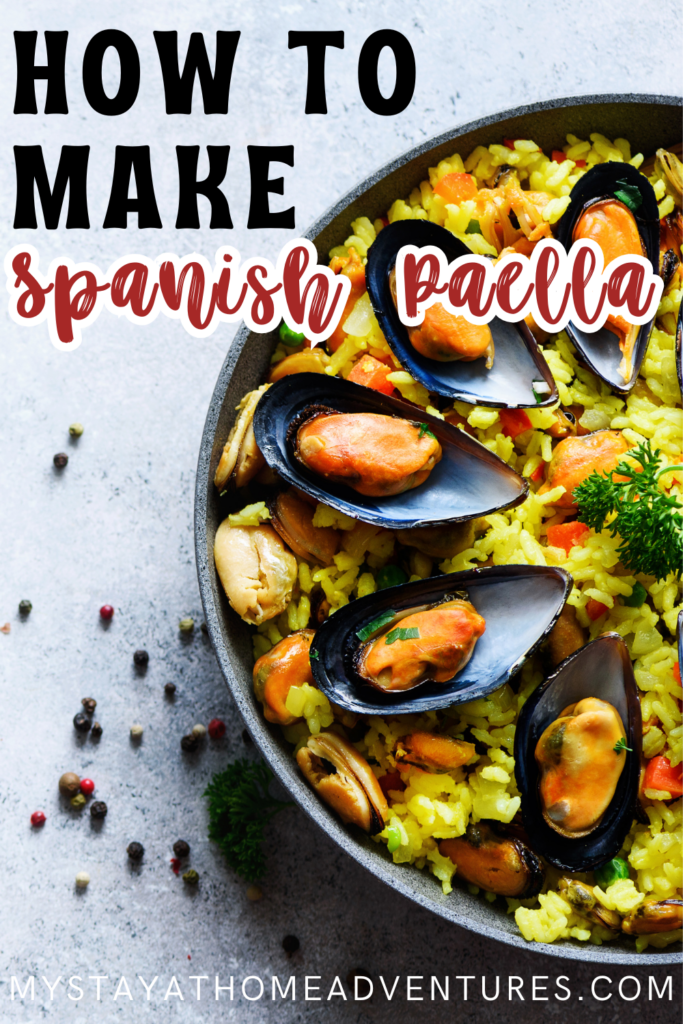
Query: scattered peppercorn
(254, 893)
(199, 730)
(191, 877)
(81, 722)
(136, 732)
(106, 612)
(181, 849)
(141, 659)
(216, 729)
(78, 802)
(76, 429)
(246, 738)
(290, 944)
(186, 625)
(82, 879)
(69, 784)
(98, 809)
(204, 628)
(189, 743)
(87, 787)
(175, 865)
(169, 689)
(38, 818)
(25, 607)
(89, 705)
(135, 851)
(7, 628)
(96, 729)
(60, 460)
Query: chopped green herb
(629, 195)
(621, 745)
(473, 228)
(376, 624)
(636, 598)
(222, 493)
(413, 633)
(314, 655)
(390, 576)
(536, 395)
(424, 429)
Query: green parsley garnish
(402, 634)
(376, 624)
(223, 492)
(473, 228)
(647, 520)
(424, 429)
(621, 745)
(314, 655)
(629, 195)
(240, 807)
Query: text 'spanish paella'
(559, 791)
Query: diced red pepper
(558, 156)
(594, 609)
(661, 776)
(392, 780)
(580, 163)
(372, 374)
(510, 143)
(455, 188)
(538, 473)
(568, 536)
(677, 673)
(515, 421)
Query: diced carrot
(352, 267)
(392, 780)
(372, 374)
(677, 673)
(580, 163)
(510, 143)
(558, 156)
(538, 473)
(661, 776)
(455, 188)
(594, 609)
(515, 421)
(568, 536)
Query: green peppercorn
(186, 625)
(636, 598)
(98, 809)
(78, 802)
(611, 872)
(25, 607)
(390, 576)
(289, 337)
(69, 784)
(191, 877)
(76, 429)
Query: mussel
(679, 347)
(344, 780)
(287, 664)
(576, 458)
(601, 670)
(292, 517)
(495, 862)
(432, 752)
(467, 482)
(654, 916)
(256, 570)
(241, 460)
(581, 897)
(597, 211)
(519, 375)
(518, 603)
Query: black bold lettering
(132, 160)
(405, 72)
(215, 87)
(189, 188)
(260, 159)
(316, 44)
(53, 71)
(72, 170)
(129, 82)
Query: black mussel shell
(520, 604)
(469, 480)
(679, 347)
(517, 360)
(600, 350)
(600, 669)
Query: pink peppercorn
(38, 818)
(216, 729)
(87, 787)
(175, 865)
(106, 612)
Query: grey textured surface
(116, 526)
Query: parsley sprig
(630, 195)
(424, 429)
(240, 807)
(621, 745)
(401, 633)
(647, 520)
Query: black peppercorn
(135, 851)
(89, 705)
(181, 849)
(141, 658)
(246, 738)
(81, 722)
(204, 628)
(25, 607)
(96, 729)
(290, 944)
(98, 809)
(60, 460)
(189, 743)
(169, 689)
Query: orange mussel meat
(285, 665)
(375, 455)
(576, 458)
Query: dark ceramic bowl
(648, 122)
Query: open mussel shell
(520, 604)
(679, 347)
(517, 361)
(600, 350)
(601, 669)
(469, 480)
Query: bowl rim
(392, 875)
